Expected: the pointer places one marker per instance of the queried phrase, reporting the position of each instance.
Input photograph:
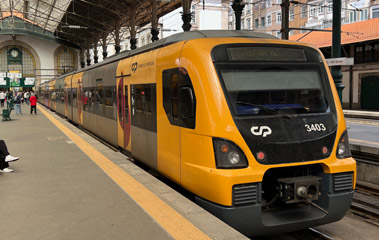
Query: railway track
(366, 202)
(368, 158)
(366, 197)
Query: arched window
(19, 59)
(65, 59)
(28, 64)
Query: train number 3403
(318, 127)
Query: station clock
(14, 56)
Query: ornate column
(95, 52)
(88, 56)
(237, 8)
(186, 16)
(154, 21)
(117, 36)
(133, 32)
(104, 45)
(82, 60)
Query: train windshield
(266, 83)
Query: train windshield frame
(261, 80)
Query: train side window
(126, 104)
(179, 100)
(93, 100)
(98, 94)
(53, 96)
(69, 96)
(187, 102)
(174, 96)
(86, 99)
(74, 96)
(120, 103)
(108, 102)
(143, 99)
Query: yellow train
(250, 124)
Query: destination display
(266, 54)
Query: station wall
(43, 51)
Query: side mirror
(187, 102)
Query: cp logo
(134, 67)
(261, 131)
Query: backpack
(17, 99)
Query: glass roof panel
(45, 13)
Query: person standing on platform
(5, 157)
(33, 103)
(17, 103)
(26, 97)
(2, 98)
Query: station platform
(361, 114)
(68, 185)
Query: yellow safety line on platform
(363, 141)
(174, 223)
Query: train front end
(284, 161)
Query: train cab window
(272, 80)
(179, 99)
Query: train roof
(184, 36)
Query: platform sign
(3, 74)
(29, 81)
(14, 77)
(339, 61)
(3, 82)
(15, 82)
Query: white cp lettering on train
(261, 130)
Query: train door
(123, 112)
(67, 97)
(143, 117)
(80, 102)
(168, 124)
(126, 112)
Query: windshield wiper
(267, 109)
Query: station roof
(81, 21)
(350, 33)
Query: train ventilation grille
(343, 182)
(245, 194)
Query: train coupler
(299, 189)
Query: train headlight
(343, 149)
(228, 154)
(234, 158)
